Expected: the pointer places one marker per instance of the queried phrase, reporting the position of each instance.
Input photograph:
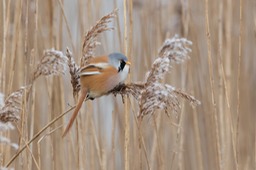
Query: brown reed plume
(54, 62)
(4, 125)
(9, 112)
(74, 72)
(90, 39)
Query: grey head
(118, 60)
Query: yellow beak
(128, 63)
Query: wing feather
(93, 69)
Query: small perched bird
(98, 77)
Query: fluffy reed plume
(9, 112)
(90, 39)
(53, 63)
(163, 96)
(152, 94)
(4, 125)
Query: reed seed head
(53, 63)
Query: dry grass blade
(38, 134)
(53, 63)
(90, 39)
(12, 106)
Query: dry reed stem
(126, 114)
(66, 23)
(3, 62)
(28, 147)
(238, 79)
(214, 114)
(37, 135)
(39, 142)
(141, 141)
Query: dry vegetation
(147, 123)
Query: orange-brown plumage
(98, 77)
(78, 106)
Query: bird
(98, 77)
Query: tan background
(218, 134)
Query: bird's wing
(93, 69)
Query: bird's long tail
(78, 106)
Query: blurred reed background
(218, 134)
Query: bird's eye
(121, 66)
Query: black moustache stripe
(122, 65)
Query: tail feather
(78, 106)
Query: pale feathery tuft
(54, 62)
(162, 96)
(9, 112)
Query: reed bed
(188, 102)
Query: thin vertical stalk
(33, 90)
(179, 141)
(3, 62)
(239, 76)
(156, 144)
(223, 118)
(126, 117)
(67, 26)
(130, 43)
(2, 69)
(214, 114)
(198, 141)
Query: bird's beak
(128, 63)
